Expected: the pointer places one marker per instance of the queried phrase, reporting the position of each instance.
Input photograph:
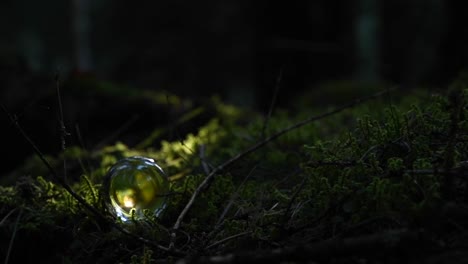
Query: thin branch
(173, 127)
(6, 216)
(63, 129)
(460, 172)
(286, 219)
(82, 144)
(224, 240)
(258, 145)
(205, 164)
(221, 218)
(341, 164)
(233, 196)
(10, 245)
(128, 123)
(273, 102)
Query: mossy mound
(379, 182)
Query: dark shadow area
(241, 51)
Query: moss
(359, 171)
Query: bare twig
(256, 146)
(341, 164)
(233, 196)
(63, 129)
(6, 216)
(207, 166)
(221, 218)
(117, 132)
(459, 172)
(273, 102)
(224, 240)
(286, 219)
(173, 127)
(82, 144)
(10, 245)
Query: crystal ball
(136, 186)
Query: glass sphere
(135, 185)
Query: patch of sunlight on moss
(210, 134)
(226, 111)
(148, 141)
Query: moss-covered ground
(380, 181)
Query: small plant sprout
(134, 185)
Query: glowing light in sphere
(134, 185)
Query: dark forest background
(234, 49)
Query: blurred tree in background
(234, 48)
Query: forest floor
(349, 174)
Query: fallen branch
(256, 146)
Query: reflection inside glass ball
(135, 185)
